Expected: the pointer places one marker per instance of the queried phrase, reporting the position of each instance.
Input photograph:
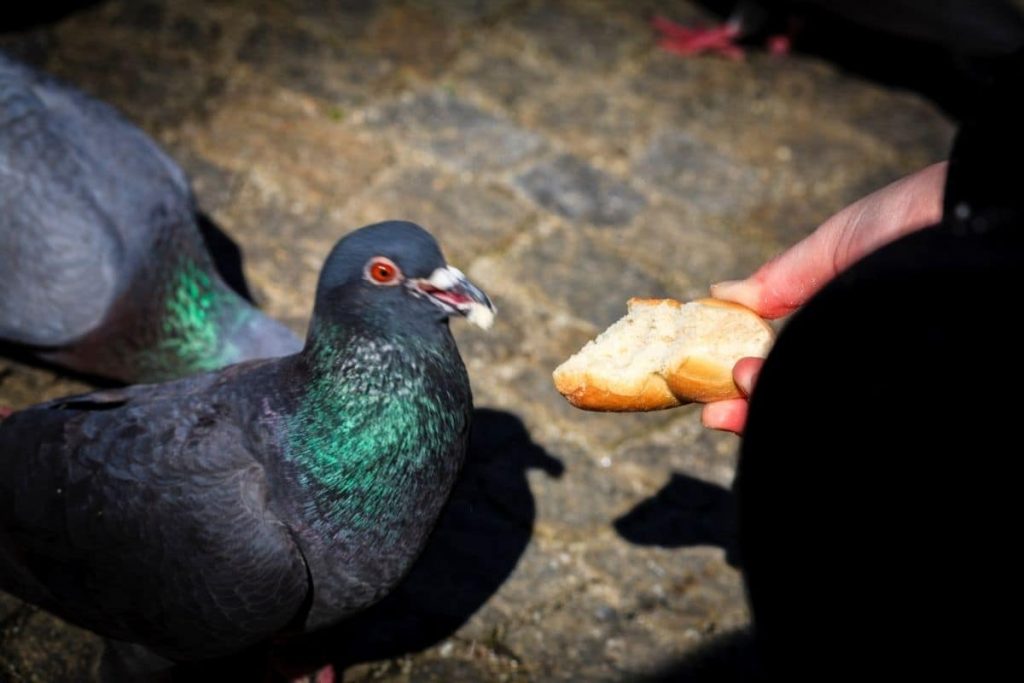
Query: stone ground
(565, 163)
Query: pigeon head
(393, 274)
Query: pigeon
(104, 267)
(207, 514)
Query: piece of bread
(664, 353)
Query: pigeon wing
(142, 515)
(62, 255)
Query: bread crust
(695, 378)
(585, 391)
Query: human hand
(785, 283)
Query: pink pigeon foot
(687, 41)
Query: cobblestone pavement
(566, 164)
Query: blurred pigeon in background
(104, 269)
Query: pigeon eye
(382, 271)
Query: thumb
(787, 281)
(778, 287)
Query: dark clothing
(878, 514)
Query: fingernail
(708, 418)
(721, 290)
(746, 378)
(724, 416)
(743, 292)
(746, 383)
(704, 415)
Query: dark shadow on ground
(25, 355)
(227, 255)
(685, 512)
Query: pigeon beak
(448, 288)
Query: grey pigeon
(207, 514)
(103, 268)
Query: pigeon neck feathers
(377, 415)
(194, 316)
(370, 450)
(177, 317)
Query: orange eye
(382, 271)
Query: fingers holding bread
(662, 354)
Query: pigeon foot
(690, 41)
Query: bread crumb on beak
(481, 316)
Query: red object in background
(687, 41)
(721, 39)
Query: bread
(664, 353)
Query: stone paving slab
(565, 163)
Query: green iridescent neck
(372, 419)
(191, 336)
